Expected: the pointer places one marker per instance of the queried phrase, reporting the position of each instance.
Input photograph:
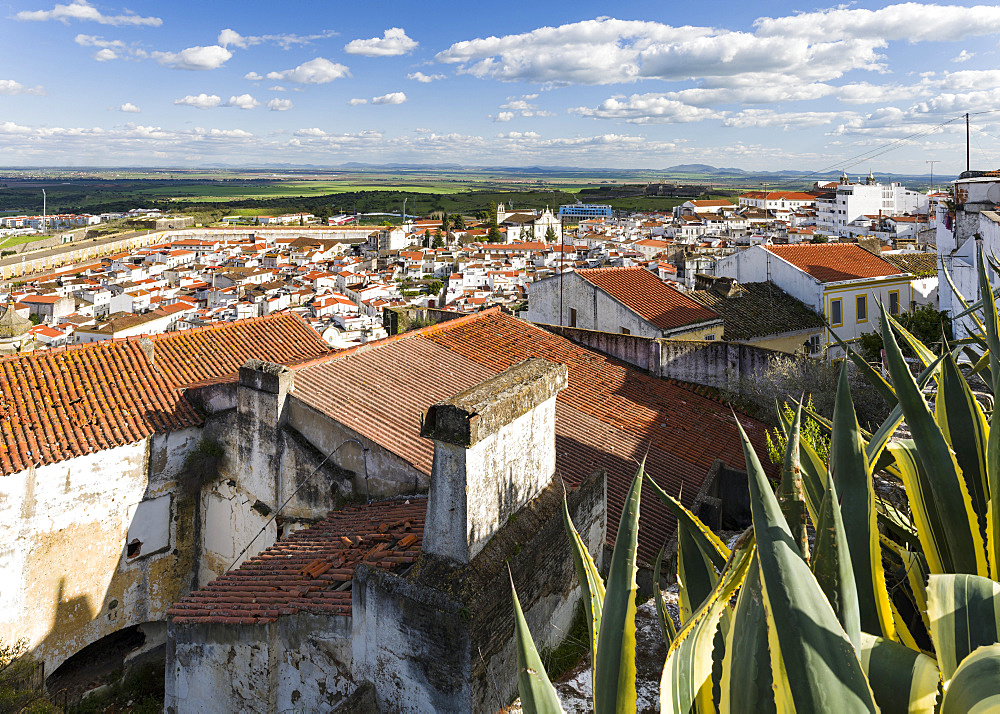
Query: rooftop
(609, 416)
(649, 297)
(758, 310)
(74, 401)
(832, 262)
(309, 571)
(921, 264)
(215, 352)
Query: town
(348, 280)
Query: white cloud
(764, 118)
(521, 106)
(231, 38)
(313, 131)
(503, 116)
(84, 11)
(200, 101)
(963, 56)
(276, 88)
(645, 109)
(105, 55)
(129, 107)
(803, 49)
(195, 58)
(253, 76)
(9, 86)
(243, 101)
(357, 101)
(97, 41)
(393, 42)
(911, 21)
(424, 78)
(315, 71)
(390, 98)
(280, 105)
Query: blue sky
(760, 85)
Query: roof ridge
(429, 329)
(219, 325)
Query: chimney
(494, 451)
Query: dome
(12, 324)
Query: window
(862, 303)
(894, 302)
(709, 337)
(626, 331)
(836, 313)
(572, 317)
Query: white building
(841, 281)
(836, 210)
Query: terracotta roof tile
(217, 351)
(63, 403)
(759, 309)
(831, 262)
(311, 570)
(608, 417)
(648, 296)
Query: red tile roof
(648, 296)
(216, 352)
(609, 416)
(77, 400)
(831, 262)
(310, 570)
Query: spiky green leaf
(746, 672)
(964, 612)
(975, 688)
(790, 497)
(614, 672)
(852, 479)
(688, 668)
(667, 626)
(815, 667)
(707, 541)
(537, 693)
(904, 681)
(590, 579)
(958, 541)
(832, 567)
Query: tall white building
(836, 210)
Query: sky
(756, 86)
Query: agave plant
(782, 624)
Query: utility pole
(44, 206)
(967, 163)
(932, 162)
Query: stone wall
(64, 535)
(713, 363)
(301, 662)
(442, 639)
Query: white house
(841, 281)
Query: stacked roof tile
(831, 262)
(757, 310)
(70, 402)
(610, 416)
(217, 351)
(311, 570)
(648, 296)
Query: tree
(924, 322)
(427, 238)
(494, 235)
(819, 239)
(445, 221)
(550, 234)
(16, 668)
(438, 240)
(459, 222)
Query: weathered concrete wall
(494, 450)
(442, 639)
(215, 667)
(389, 474)
(66, 580)
(711, 363)
(299, 663)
